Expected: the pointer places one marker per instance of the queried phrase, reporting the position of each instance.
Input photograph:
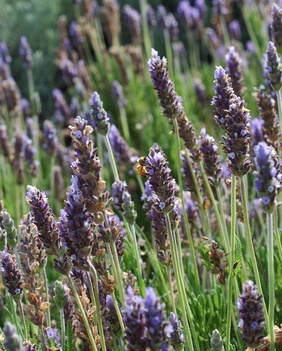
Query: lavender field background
(140, 175)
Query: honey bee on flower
(141, 166)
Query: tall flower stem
(117, 270)
(83, 315)
(186, 222)
(277, 235)
(181, 292)
(111, 157)
(220, 219)
(145, 29)
(269, 219)
(231, 261)
(90, 286)
(98, 307)
(47, 296)
(20, 308)
(171, 289)
(124, 123)
(244, 190)
(63, 329)
(117, 309)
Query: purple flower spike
(235, 30)
(132, 19)
(44, 219)
(276, 27)
(268, 176)
(155, 322)
(101, 122)
(135, 322)
(251, 315)
(117, 93)
(274, 67)
(176, 337)
(221, 100)
(25, 53)
(12, 275)
(234, 70)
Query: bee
(141, 166)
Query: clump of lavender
(176, 337)
(117, 93)
(276, 27)
(100, 119)
(234, 70)
(171, 102)
(44, 219)
(223, 93)
(12, 342)
(25, 53)
(274, 67)
(12, 274)
(251, 314)
(132, 19)
(235, 30)
(123, 202)
(156, 337)
(268, 176)
(145, 318)
(211, 158)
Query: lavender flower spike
(221, 100)
(170, 101)
(176, 337)
(276, 27)
(44, 219)
(12, 342)
(25, 53)
(250, 311)
(101, 122)
(135, 322)
(234, 70)
(155, 322)
(274, 67)
(268, 181)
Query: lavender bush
(133, 215)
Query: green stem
(277, 236)
(220, 219)
(231, 261)
(269, 219)
(48, 314)
(137, 257)
(98, 307)
(145, 29)
(111, 157)
(244, 190)
(83, 315)
(185, 217)
(117, 309)
(178, 277)
(63, 329)
(124, 123)
(171, 289)
(111, 247)
(92, 295)
(20, 308)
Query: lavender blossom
(11, 230)
(223, 93)
(274, 67)
(100, 119)
(161, 15)
(151, 17)
(189, 16)
(234, 70)
(171, 102)
(117, 93)
(268, 176)
(25, 53)
(50, 137)
(5, 145)
(12, 342)
(75, 34)
(200, 91)
(29, 155)
(69, 70)
(132, 19)
(75, 226)
(123, 202)
(268, 114)
(216, 341)
(276, 27)
(111, 16)
(44, 218)
(236, 143)
(176, 337)
(251, 314)
(257, 134)
(12, 95)
(135, 322)
(17, 163)
(62, 111)
(12, 274)
(155, 322)
(211, 159)
(123, 152)
(219, 7)
(172, 26)
(235, 30)
(25, 108)
(4, 54)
